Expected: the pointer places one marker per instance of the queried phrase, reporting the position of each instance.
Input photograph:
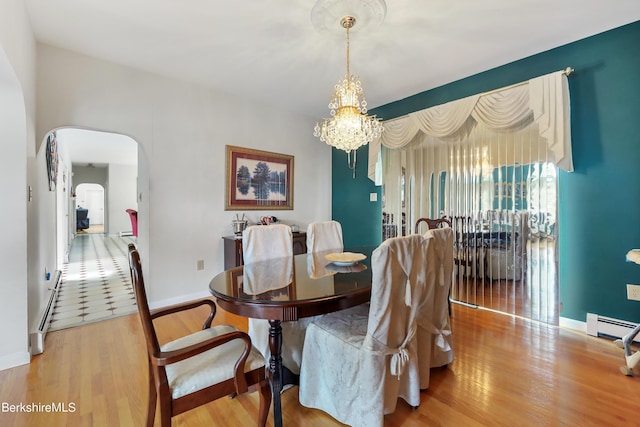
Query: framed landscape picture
(258, 180)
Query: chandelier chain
(348, 49)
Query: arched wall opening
(14, 309)
(97, 170)
(103, 176)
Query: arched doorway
(108, 160)
(91, 197)
(104, 178)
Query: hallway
(95, 284)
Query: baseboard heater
(37, 338)
(601, 326)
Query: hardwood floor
(507, 372)
(531, 293)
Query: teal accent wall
(361, 219)
(599, 203)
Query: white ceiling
(86, 147)
(270, 52)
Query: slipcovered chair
(436, 338)
(356, 363)
(324, 236)
(260, 243)
(198, 368)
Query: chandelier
(349, 126)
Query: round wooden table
(288, 289)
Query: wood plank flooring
(507, 372)
(531, 293)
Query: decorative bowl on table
(345, 259)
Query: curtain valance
(543, 100)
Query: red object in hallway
(133, 214)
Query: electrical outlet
(633, 292)
(200, 264)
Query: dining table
(290, 288)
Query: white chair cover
(324, 236)
(261, 242)
(357, 362)
(434, 336)
(268, 275)
(317, 265)
(272, 242)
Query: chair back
(432, 224)
(324, 236)
(262, 242)
(399, 291)
(133, 216)
(137, 280)
(82, 220)
(81, 213)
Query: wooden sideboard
(233, 248)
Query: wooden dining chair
(432, 224)
(200, 367)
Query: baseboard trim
(16, 359)
(573, 324)
(36, 338)
(179, 300)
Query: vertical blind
(488, 163)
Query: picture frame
(258, 180)
(52, 160)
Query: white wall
(121, 196)
(181, 130)
(17, 106)
(89, 175)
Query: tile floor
(95, 284)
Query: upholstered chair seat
(208, 368)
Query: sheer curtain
(488, 162)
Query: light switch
(373, 197)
